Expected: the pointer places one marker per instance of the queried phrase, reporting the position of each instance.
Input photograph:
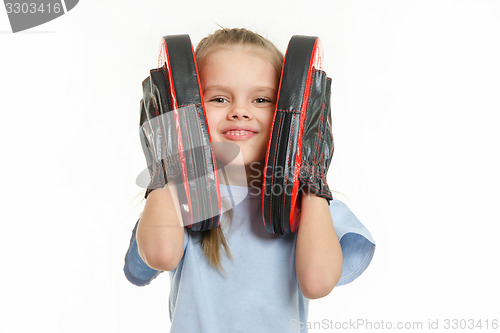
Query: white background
(415, 116)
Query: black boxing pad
(188, 157)
(301, 85)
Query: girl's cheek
(210, 119)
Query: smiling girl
(238, 277)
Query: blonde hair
(212, 240)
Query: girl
(238, 277)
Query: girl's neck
(250, 176)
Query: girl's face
(239, 85)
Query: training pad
(177, 112)
(301, 79)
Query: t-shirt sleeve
(135, 269)
(355, 240)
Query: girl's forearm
(318, 257)
(160, 234)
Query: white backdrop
(415, 115)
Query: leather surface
(301, 123)
(175, 135)
(317, 140)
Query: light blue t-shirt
(258, 292)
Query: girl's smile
(239, 133)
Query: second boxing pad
(175, 136)
(301, 141)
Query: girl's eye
(263, 100)
(218, 100)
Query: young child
(238, 277)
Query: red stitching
(309, 166)
(286, 178)
(169, 96)
(204, 155)
(320, 132)
(289, 111)
(272, 175)
(184, 105)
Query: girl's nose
(239, 112)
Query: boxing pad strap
(317, 140)
(161, 157)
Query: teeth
(237, 133)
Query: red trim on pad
(316, 59)
(214, 160)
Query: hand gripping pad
(301, 125)
(173, 108)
